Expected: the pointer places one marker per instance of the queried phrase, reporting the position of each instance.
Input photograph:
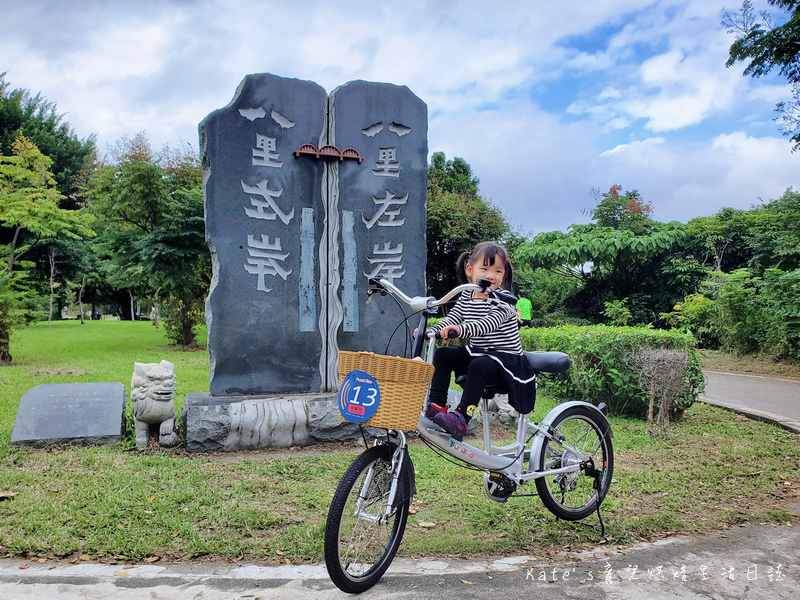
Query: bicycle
(569, 456)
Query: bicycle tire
(358, 550)
(572, 496)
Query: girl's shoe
(431, 411)
(453, 423)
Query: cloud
(543, 99)
(685, 179)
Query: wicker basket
(403, 383)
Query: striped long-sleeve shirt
(488, 325)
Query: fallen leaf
(175, 533)
(427, 524)
(7, 495)
(278, 552)
(465, 582)
(85, 557)
(152, 559)
(184, 510)
(120, 526)
(151, 498)
(23, 567)
(41, 561)
(122, 574)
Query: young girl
(494, 352)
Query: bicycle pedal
(431, 427)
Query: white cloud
(621, 70)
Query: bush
(601, 359)
(180, 320)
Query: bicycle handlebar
(418, 303)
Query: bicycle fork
(397, 468)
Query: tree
(38, 120)
(457, 219)
(29, 212)
(624, 255)
(154, 232)
(764, 46)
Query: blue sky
(545, 99)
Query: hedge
(600, 355)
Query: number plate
(359, 396)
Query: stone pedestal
(235, 423)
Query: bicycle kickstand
(597, 480)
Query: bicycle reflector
(359, 396)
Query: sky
(545, 99)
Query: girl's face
(495, 272)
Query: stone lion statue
(153, 398)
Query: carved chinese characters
(263, 217)
(385, 202)
(297, 226)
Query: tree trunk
(52, 256)
(5, 350)
(133, 316)
(187, 334)
(80, 296)
(155, 309)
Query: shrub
(180, 320)
(601, 356)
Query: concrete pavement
(764, 398)
(755, 562)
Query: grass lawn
(116, 503)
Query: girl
(494, 352)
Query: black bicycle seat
(548, 362)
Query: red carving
(328, 151)
(352, 153)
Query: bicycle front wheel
(585, 433)
(363, 533)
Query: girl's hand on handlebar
(448, 332)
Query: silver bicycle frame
(508, 460)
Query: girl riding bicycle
(494, 352)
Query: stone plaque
(60, 413)
(306, 198)
(381, 207)
(264, 215)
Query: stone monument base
(236, 423)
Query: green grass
(119, 503)
(69, 352)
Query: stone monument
(65, 413)
(306, 198)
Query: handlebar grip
(507, 298)
(450, 335)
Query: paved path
(764, 398)
(756, 563)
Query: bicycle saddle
(542, 362)
(548, 362)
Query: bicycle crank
(498, 487)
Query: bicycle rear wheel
(360, 540)
(573, 496)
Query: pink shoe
(453, 423)
(431, 411)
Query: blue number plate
(359, 396)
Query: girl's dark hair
(487, 252)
